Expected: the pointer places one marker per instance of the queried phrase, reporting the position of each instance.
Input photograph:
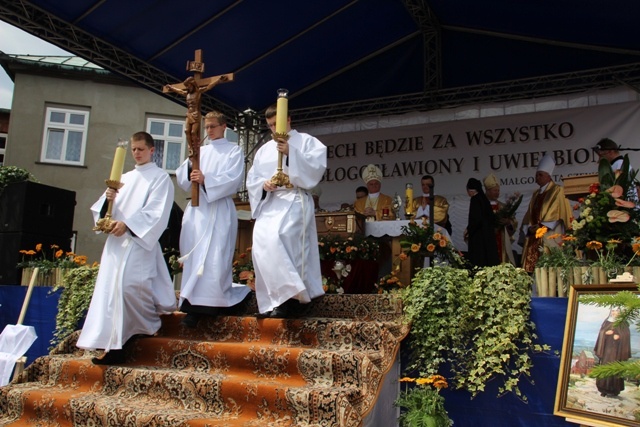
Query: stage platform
(547, 313)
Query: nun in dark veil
(481, 241)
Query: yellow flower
(423, 381)
(541, 232)
(407, 380)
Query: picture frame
(589, 331)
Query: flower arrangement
(605, 215)
(422, 241)
(172, 258)
(57, 258)
(336, 247)
(333, 285)
(243, 271)
(508, 211)
(423, 405)
(390, 283)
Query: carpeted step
(323, 367)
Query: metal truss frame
(24, 15)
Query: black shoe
(284, 310)
(112, 357)
(190, 320)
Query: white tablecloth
(392, 228)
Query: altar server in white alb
(209, 230)
(133, 287)
(285, 241)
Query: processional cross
(192, 89)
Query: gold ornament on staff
(281, 179)
(106, 224)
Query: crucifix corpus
(192, 89)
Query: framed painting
(591, 338)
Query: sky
(16, 41)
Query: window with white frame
(170, 142)
(65, 136)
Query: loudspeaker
(12, 243)
(31, 207)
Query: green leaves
(481, 326)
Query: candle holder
(106, 224)
(397, 203)
(281, 179)
(408, 204)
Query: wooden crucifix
(192, 89)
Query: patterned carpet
(323, 368)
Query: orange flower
(30, 252)
(333, 249)
(569, 238)
(243, 255)
(246, 275)
(554, 236)
(615, 191)
(54, 246)
(402, 256)
(541, 232)
(59, 253)
(415, 247)
(349, 249)
(636, 248)
(576, 207)
(431, 247)
(625, 203)
(38, 247)
(618, 216)
(594, 244)
(80, 260)
(407, 380)
(443, 243)
(437, 236)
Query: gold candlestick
(408, 205)
(281, 179)
(106, 224)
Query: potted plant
(12, 174)
(422, 405)
(76, 292)
(53, 263)
(480, 326)
(496, 336)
